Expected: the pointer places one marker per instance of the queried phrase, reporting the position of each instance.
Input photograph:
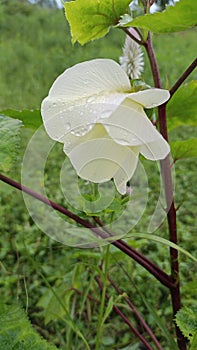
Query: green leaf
(161, 240)
(174, 19)
(17, 333)
(31, 118)
(92, 19)
(194, 342)
(184, 149)
(108, 309)
(182, 108)
(9, 141)
(158, 320)
(186, 320)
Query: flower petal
(99, 160)
(130, 126)
(127, 169)
(71, 140)
(150, 98)
(81, 95)
(158, 149)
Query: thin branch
(123, 246)
(140, 318)
(126, 30)
(140, 258)
(184, 76)
(125, 319)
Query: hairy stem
(168, 188)
(123, 246)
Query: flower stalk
(168, 188)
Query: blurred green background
(35, 47)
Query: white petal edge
(150, 98)
(156, 150)
(61, 118)
(100, 160)
(90, 77)
(129, 125)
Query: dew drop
(90, 99)
(67, 126)
(71, 108)
(54, 104)
(106, 113)
(81, 131)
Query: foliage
(9, 146)
(57, 284)
(182, 108)
(16, 331)
(186, 319)
(174, 19)
(89, 22)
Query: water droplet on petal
(90, 99)
(81, 131)
(106, 113)
(67, 126)
(54, 104)
(71, 108)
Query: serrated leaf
(9, 141)
(182, 108)
(17, 333)
(194, 342)
(186, 320)
(174, 19)
(92, 19)
(31, 118)
(184, 149)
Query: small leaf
(30, 118)
(9, 141)
(90, 19)
(184, 149)
(17, 333)
(186, 320)
(108, 309)
(174, 19)
(182, 108)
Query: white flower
(132, 59)
(91, 109)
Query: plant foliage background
(35, 48)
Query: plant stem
(123, 246)
(103, 297)
(140, 318)
(125, 319)
(184, 76)
(168, 188)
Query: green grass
(35, 48)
